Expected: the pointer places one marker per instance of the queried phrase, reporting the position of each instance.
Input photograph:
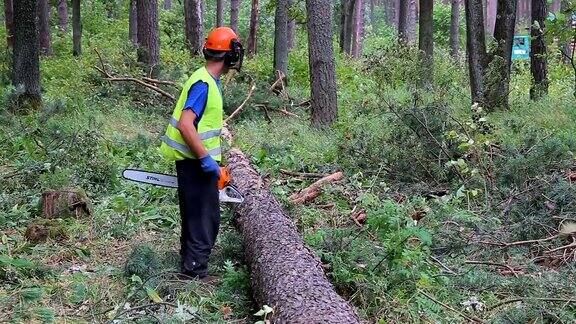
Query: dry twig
(248, 96)
(310, 193)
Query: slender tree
(476, 48)
(133, 23)
(455, 29)
(403, 16)
(76, 28)
(219, 13)
(9, 21)
(167, 5)
(194, 27)
(63, 15)
(44, 27)
(281, 37)
(234, 9)
(538, 61)
(26, 52)
(490, 17)
(348, 27)
(291, 27)
(253, 34)
(148, 39)
(358, 28)
(497, 73)
(426, 42)
(323, 101)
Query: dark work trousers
(200, 213)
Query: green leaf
(153, 294)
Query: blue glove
(210, 166)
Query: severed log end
(65, 204)
(314, 190)
(285, 274)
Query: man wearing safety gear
(192, 140)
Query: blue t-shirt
(197, 98)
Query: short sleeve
(197, 97)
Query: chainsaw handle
(224, 179)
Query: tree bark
(44, 27)
(281, 37)
(476, 48)
(63, 15)
(403, 16)
(219, 13)
(358, 30)
(426, 42)
(194, 27)
(234, 9)
(323, 102)
(497, 73)
(167, 5)
(348, 25)
(455, 29)
(556, 5)
(26, 55)
(413, 11)
(148, 39)
(284, 273)
(291, 27)
(491, 6)
(538, 61)
(9, 21)
(133, 23)
(76, 28)
(253, 35)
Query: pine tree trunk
(358, 29)
(403, 16)
(538, 61)
(324, 104)
(342, 9)
(44, 27)
(372, 11)
(412, 20)
(194, 27)
(497, 73)
(281, 37)
(219, 13)
(167, 5)
(455, 29)
(76, 28)
(63, 15)
(148, 39)
(426, 42)
(556, 5)
(476, 48)
(349, 26)
(291, 27)
(133, 23)
(234, 9)
(284, 272)
(9, 21)
(491, 6)
(253, 35)
(26, 55)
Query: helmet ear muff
(233, 58)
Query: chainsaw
(227, 192)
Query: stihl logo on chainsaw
(227, 192)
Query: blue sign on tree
(521, 48)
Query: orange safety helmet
(222, 43)
(220, 39)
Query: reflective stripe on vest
(203, 136)
(184, 148)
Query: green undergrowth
(415, 232)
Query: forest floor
(422, 228)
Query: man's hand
(210, 166)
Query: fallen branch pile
(285, 274)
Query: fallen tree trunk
(285, 274)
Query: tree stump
(65, 204)
(285, 274)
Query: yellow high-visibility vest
(209, 128)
